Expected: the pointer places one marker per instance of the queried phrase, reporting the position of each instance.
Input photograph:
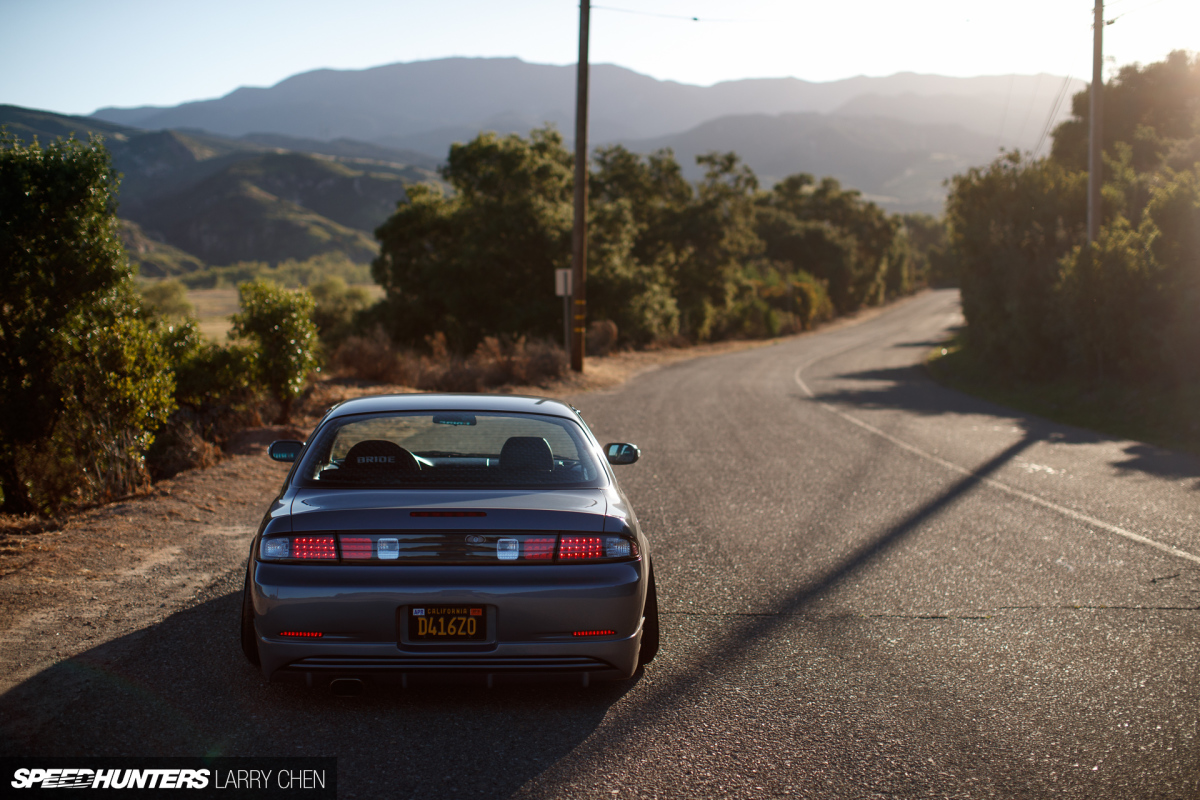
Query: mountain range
(425, 105)
(894, 138)
(316, 162)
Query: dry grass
(400, 371)
(494, 363)
(213, 309)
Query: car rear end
(448, 543)
(478, 590)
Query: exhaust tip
(346, 687)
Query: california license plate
(447, 623)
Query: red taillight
(358, 547)
(302, 634)
(579, 547)
(447, 513)
(595, 633)
(539, 549)
(314, 547)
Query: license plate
(447, 623)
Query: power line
(1029, 108)
(1130, 10)
(670, 16)
(1062, 93)
(1004, 117)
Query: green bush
(208, 375)
(279, 323)
(84, 380)
(336, 307)
(1042, 303)
(1107, 292)
(167, 298)
(1011, 224)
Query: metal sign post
(562, 288)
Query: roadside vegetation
(668, 260)
(1107, 333)
(108, 383)
(84, 378)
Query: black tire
(249, 638)
(649, 625)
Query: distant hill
(424, 106)
(153, 258)
(191, 198)
(345, 149)
(262, 209)
(1015, 119)
(896, 164)
(27, 123)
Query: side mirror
(285, 450)
(621, 453)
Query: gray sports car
(440, 533)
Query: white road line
(995, 484)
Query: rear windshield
(451, 450)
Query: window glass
(452, 449)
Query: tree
(1152, 108)
(665, 257)
(1011, 223)
(715, 239)
(280, 323)
(861, 276)
(929, 243)
(83, 380)
(482, 261)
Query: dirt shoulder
(109, 572)
(115, 570)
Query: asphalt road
(871, 587)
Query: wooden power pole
(579, 237)
(1095, 128)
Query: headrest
(378, 454)
(530, 453)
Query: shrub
(376, 358)
(167, 299)
(1011, 223)
(601, 337)
(337, 305)
(1106, 292)
(495, 362)
(216, 392)
(279, 323)
(84, 380)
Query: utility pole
(579, 237)
(1095, 128)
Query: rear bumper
(535, 611)
(610, 659)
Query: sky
(75, 56)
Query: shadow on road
(1161, 462)
(909, 389)
(716, 665)
(182, 687)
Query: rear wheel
(649, 625)
(249, 638)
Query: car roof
(432, 401)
